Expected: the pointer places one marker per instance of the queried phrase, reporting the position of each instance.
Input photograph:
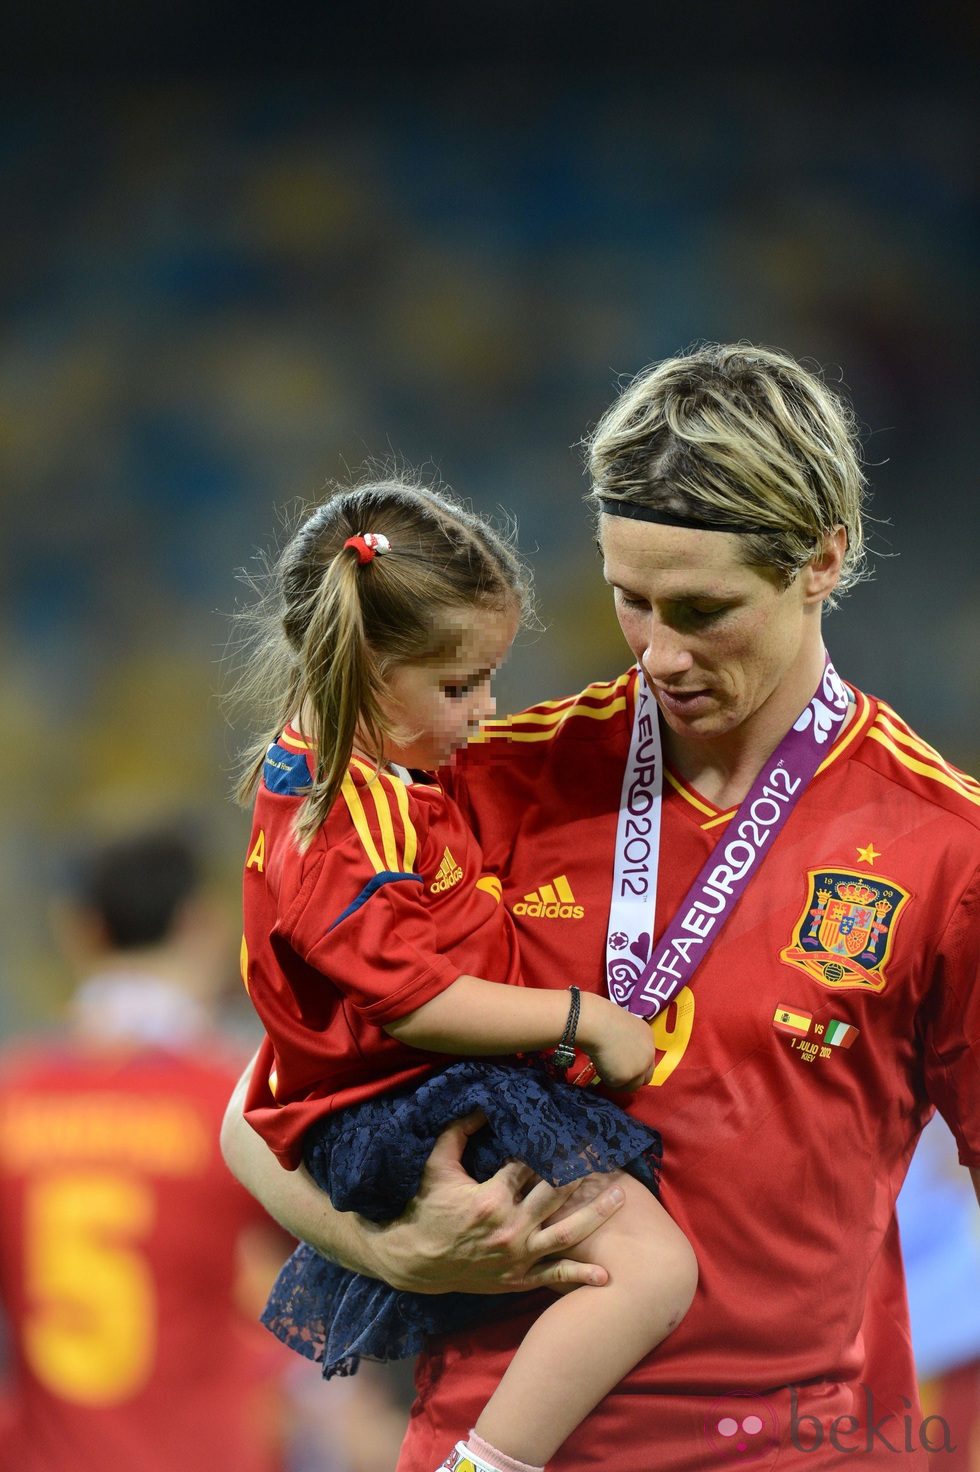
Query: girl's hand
(619, 1043)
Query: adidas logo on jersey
(449, 874)
(553, 901)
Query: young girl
(370, 928)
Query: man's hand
(495, 1237)
(456, 1236)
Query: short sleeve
(361, 918)
(952, 1044)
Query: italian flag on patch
(840, 1034)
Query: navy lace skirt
(370, 1158)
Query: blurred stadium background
(242, 254)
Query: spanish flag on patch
(790, 1019)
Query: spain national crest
(844, 936)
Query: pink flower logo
(743, 1430)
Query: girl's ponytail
(342, 685)
(336, 619)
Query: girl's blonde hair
(742, 435)
(329, 629)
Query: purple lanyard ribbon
(646, 984)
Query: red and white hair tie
(368, 545)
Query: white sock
(476, 1455)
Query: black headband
(673, 518)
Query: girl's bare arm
(474, 1017)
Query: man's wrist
(358, 1245)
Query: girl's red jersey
(385, 909)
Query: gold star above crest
(868, 855)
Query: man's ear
(822, 573)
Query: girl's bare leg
(583, 1345)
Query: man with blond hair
(776, 871)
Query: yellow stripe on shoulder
(355, 807)
(293, 742)
(383, 787)
(899, 731)
(548, 717)
(550, 731)
(923, 769)
(410, 851)
(598, 690)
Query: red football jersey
(118, 1230)
(383, 911)
(837, 1007)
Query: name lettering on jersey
(811, 1040)
(845, 933)
(256, 859)
(167, 1137)
(449, 874)
(554, 901)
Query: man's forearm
(504, 1235)
(975, 1177)
(290, 1196)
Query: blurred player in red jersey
(836, 1005)
(126, 1249)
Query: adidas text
(554, 901)
(446, 881)
(535, 910)
(450, 873)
